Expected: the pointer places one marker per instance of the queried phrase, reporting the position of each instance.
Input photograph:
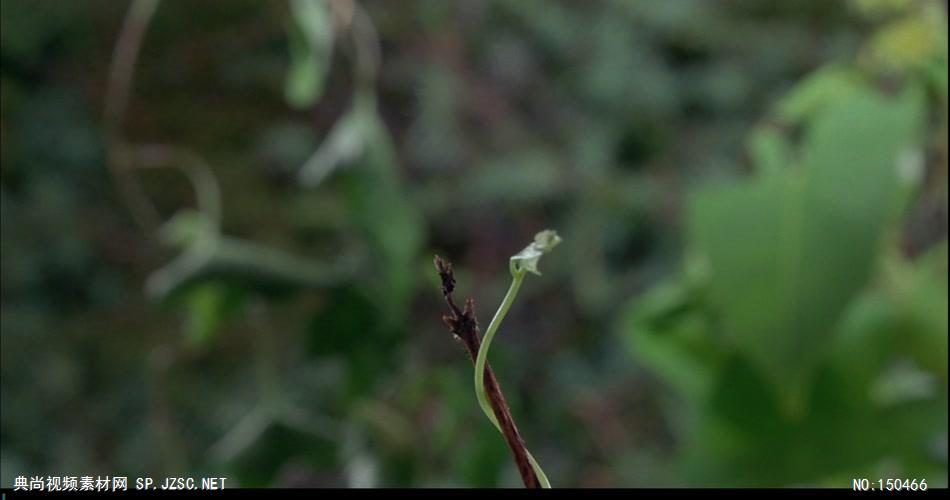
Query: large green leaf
(769, 150)
(787, 252)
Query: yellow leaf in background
(906, 44)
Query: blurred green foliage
(786, 343)
(751, 290)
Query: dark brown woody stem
(464, 326)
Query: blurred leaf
(919, 292)
(856, 147)
(310, 40)
(208, 307)
(865, 340)
(384, 212)
(769, 150)
(747, 440)
(937, 73)
(816, 91)
(666, 331)
(360, 145)
(344, 144)
(805, 248)
(908, 44)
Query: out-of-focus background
(219, 219)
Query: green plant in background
(804, 353)
(358, 147)
(520, 265)
(213, 273)
(217, 277)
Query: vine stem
(480, 362)
(121, 71)
(463, 325)
(124, 157)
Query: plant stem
(464, 326)
(481, 360)
(486, 342)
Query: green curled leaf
(527, 259)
